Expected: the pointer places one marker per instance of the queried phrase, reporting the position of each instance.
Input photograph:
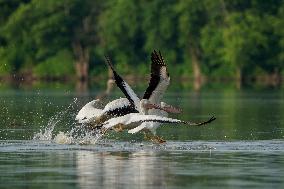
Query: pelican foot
(103, 131)
(118, 128)
(154, 138)
(158, 140)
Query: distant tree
(38, 29)
(6, 9)
(131, 30)
(279, 31)
(159, 27)
(249, 42)
(217, 38)
(121, 34)
(212, 41)
(192, 18)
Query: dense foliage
(213, 38)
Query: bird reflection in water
(120, 169)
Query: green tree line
(198, 38)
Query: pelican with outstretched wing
(158, 84)
(131, 112)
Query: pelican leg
(158, 139)
(103, 131)
(118, 128)
(153, 138)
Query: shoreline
(266, 81)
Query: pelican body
(131, 112)
(92, 113)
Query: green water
(243, 148)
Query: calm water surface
(243, 148)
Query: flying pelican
(158, 84)
(157, 87)
(93, 111)
(90, 113)
(159, 81)
(131, 105)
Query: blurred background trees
(232, 39)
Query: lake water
(243, 148)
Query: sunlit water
(42, 147)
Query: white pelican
(126, 107)
(93, 111)
(90, 112)
(158, 84)
(119, 107)
(159, 81)
(94, 114)
(154, 91)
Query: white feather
(158, 93)
(152, 126)
(139, 128)
(133, 95)
(115, 104)
(89, 112)
(138, 118)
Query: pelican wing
(138, 118)
(88, 112)
(159, 80)
(124, 87)
(138, 128)
(119, 107)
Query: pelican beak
(169, 109)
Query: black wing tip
(108, 62)
(212, 118)
(157, 58)
(155, 53)
(117, 78)
(208, 121)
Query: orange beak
(168, 109)
(171, 109)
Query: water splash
(47, 132)
(63, 138)
(76, 135)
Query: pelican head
(145, 105)
(88, 112)
(170, 109)
(163, 104)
